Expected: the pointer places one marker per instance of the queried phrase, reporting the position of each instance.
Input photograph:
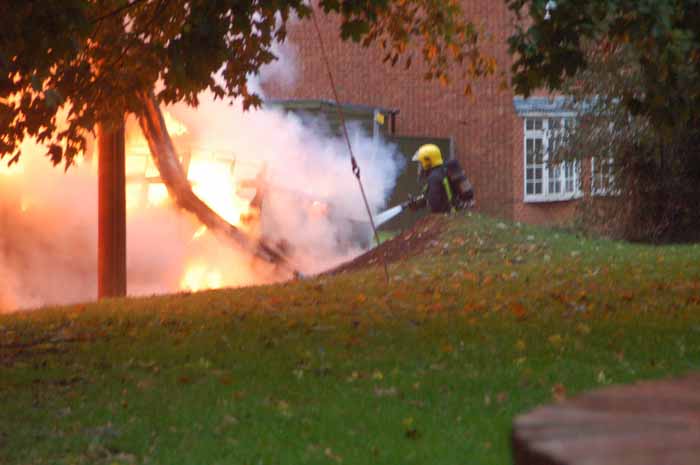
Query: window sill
(605, 193)
(552, 198)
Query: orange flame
(211, 175)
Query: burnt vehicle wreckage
(349, 233)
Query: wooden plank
(643, 424)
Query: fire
(199, 233)
(211, 173)
(199, 276)
(49, 223)
(13, 170)
(212, 181)
(25, 205)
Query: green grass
(494, 320)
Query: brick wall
(488, 134)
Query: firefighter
(437, 193)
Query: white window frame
(603, 183)
(568, 174)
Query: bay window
(546, 180)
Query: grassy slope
(431, 369)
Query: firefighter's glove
(415, 203)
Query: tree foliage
(662, 33)
(650, 178)
(86, 59)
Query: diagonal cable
(341, 116)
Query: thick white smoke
(312, 208)
(47, 234)
(306, 168)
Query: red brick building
(494, 134)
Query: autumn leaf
(145, 384)
(583, 329)
(555, 339)
(518, 310)
(472, 307)
(385, 392)
(283, 408)
(559, 392)
(627, 296)
(412, 433)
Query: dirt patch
(406, 245)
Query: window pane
(529, 189)
(554, 123)
(538, 188)
(538, 124)
(570, 177)
(554, 172)
(554, 187)
(529, 124)
(538, 173)
(530, 173)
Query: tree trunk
(111, 227)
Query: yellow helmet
(429, 156)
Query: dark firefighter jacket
(436, 190)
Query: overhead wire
(353, 160)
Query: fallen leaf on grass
(583, 329)
(518, 310)
(331, 455)
(448, 349)
(559, 392)
(412, 433)
(472, 307)
(385, 392)
(555, 339)
(283, 408)
(627, 296)
(145, 384)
